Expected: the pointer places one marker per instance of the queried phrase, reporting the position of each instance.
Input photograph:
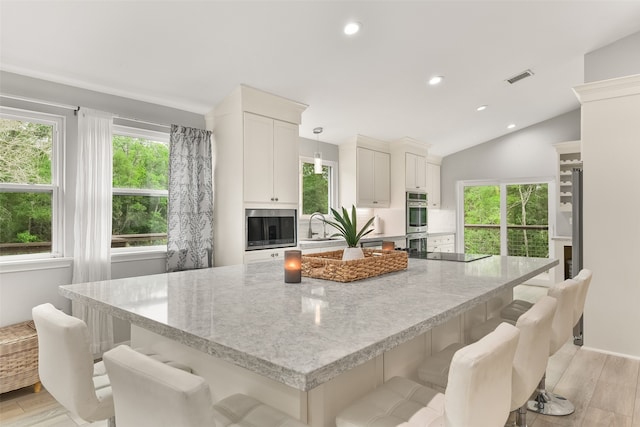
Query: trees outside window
(140, 177)
(507, 219)
(29, 190)
(317, 190)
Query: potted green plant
(348, 228)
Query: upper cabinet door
(433, 185)
(381, 179)
(258, 158)
(365, 177)
(415, 172)
(285, 162)
(373, 187)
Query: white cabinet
(264, 255)
(433, 185)
(256, 162)
(372, 178)
(441, 243)
(569, 157)
(270, 160)
(415, 172)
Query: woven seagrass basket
(329, 265)
(18, 356)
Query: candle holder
(292, 266)
(388, 246)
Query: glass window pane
(25, 223)
(139, 221)
(315, 189)
(482, 219)
(528, 220)
(140, 163)
(25, 152)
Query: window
(318, 190)
(140, 182)
(507, 219)
(30, 168)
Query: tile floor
(604, 388)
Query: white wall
(618, 59)
(610, 152)
(526, 153)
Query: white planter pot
(352, 253)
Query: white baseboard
(611, 353)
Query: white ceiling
(190, 55)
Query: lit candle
(388, 246)
(292, 266)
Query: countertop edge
(303, 381)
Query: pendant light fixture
(317, 156)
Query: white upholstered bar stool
(478, 394)
(529, 363)
(570, 295)
(515, 308)
(148, 393)
(66, 368)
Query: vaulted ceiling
(191, 54)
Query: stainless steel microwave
(270, 228)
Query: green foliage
(348, 227)
(527, 207)
(25, 157)
(139, 215)
(26, 237)
(139, 163)
(22, 213)
(25, 152)
(315, 190)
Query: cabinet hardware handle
(276, 199)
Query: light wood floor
(605, 390)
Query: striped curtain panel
(190, 205)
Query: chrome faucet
(310, 232)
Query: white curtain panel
(92, 233)
(190, 206)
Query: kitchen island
(309, 348)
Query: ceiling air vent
(520, 76)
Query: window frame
(333, 185)
(543, 278)
(156, 136)
(55, 188)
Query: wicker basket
(329, 265)
(18, 356)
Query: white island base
(319, 406)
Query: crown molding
(605, 89)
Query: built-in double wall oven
(416, 212)
(270, 228)
(416, 222)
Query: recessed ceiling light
(351, 28)
(481, 108)
(511, 126)
(435, 80)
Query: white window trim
(139, 252)
(333, 184)
(56, 188)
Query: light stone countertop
(302, 334)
